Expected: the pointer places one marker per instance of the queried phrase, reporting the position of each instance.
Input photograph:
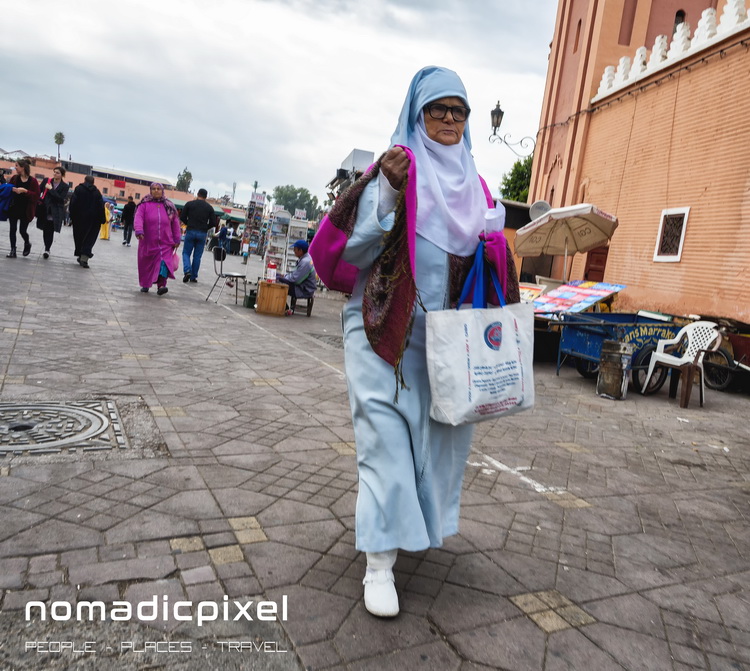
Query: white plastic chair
(700, 337)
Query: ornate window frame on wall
(673, 224)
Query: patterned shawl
(390, 294)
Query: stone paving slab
(594, 534)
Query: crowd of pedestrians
(155, 221)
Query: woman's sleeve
(366, 241)
(33, 191)
(33, 196)
(57, 194)
(138, 221)
(512, 290)
(176, 229)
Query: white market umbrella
(577, 228)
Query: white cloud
(278, 91)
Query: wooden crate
(272, 298)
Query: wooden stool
(310, 300)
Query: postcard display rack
(278, 234)
(297, 231)
(283, 233)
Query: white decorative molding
(623, 71)
(658, 53)
(680, 41)
(608, 79)
(639, 62)
(706, 29)
(734, 14)
(734, 19)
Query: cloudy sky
(273, 91)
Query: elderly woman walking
(401, 240)
(157, 228)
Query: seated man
(302, 280)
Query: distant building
(114, 183)
(352, 167)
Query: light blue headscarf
(451, 203)
(428, 84)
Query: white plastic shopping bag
(480, 360)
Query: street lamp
(497, 118)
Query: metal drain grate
(52, 428)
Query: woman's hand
(395, 165)
(48, 186)
(19, 189)
(139, 237)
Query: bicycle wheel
(717, 368)
(640, 370)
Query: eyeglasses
(438, 111)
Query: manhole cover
(45, 428)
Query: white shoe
(381, 599)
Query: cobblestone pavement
(595, 534)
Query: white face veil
(451, 203)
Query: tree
(292, 198)
(59, 139)
(515, 184)
(184, 179)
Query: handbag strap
(477, 280)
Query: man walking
(128, 216)
(87, 214)
(198, 216)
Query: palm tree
(59, 139)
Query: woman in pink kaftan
(157, 227)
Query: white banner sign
(300, 214)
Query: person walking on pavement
(223, 237)
(157, 228)
(87, 213)
(105, 228)
(198, 216)
(55, 193)
(23, 206)
(404, 236)
(128, 216)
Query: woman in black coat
(23, 207)
(54, 193)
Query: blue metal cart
(582, 335)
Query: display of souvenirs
(576, 296)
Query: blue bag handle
(478, 280)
